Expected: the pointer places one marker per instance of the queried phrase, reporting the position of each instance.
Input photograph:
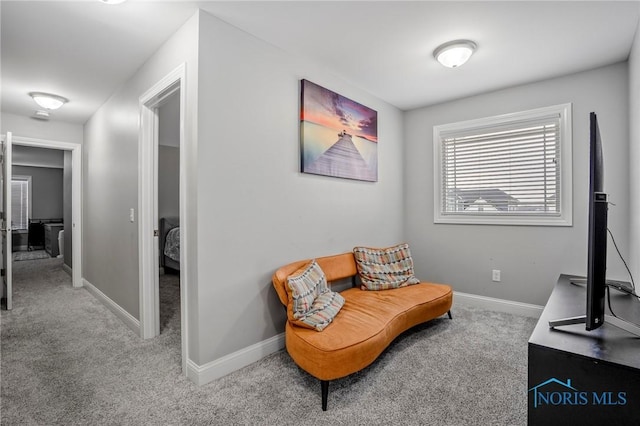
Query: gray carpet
(67, 360)
(19, 256)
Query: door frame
(76, 196)
(7, 244)
(148, 253)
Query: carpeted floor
(67, 360)
(19, 256)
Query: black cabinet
(579, 377)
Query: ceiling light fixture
(41, 114)
(48, 101)
(112, 1)
(454, 53)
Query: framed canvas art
(338, 136)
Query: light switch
(132, 215)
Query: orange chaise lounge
(364, 326)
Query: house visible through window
(509, 169)
(20, 202)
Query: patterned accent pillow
(322, 312)
(303, 287)
(385, 268)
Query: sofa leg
(449, 313)
(324, 385)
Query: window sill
(498, 220)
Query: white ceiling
(84, 50)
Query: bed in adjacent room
(170, 243)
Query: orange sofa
(367, 323)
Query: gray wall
(39, 129)
(46, 184)
(37, 157)
(110, 173)
(169, 121)
(169, 157)
(634, 154)
(256, 211)
(168, 181)
(530, 257)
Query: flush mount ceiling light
(48, 101)
(41, 114)
(112, 1)
(454, 53)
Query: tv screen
(597, 240)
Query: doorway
(72, 158)
(169, 213)
(167, 92)
(41, 204)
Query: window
(20, 202)
(512, 169)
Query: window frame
(27, 179)
(565, 217)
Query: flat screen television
(597, 241)
(596, 280)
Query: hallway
(67, 359)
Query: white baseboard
(500, 305)
(203, 374)
(67, 269)
(199, 374)
(128, 319)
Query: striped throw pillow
(322, 312)
(385, 268)
(304, 286)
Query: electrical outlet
(496, 275)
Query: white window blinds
(502, 168)
(19, 204)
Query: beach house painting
(338, 137)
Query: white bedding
(172, 244)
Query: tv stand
(621, 286)
(579, 377)
(608, 319)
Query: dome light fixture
(41, 114)
(454, 53)
(112, 1)
(48, 101)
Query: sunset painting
(338, 137)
